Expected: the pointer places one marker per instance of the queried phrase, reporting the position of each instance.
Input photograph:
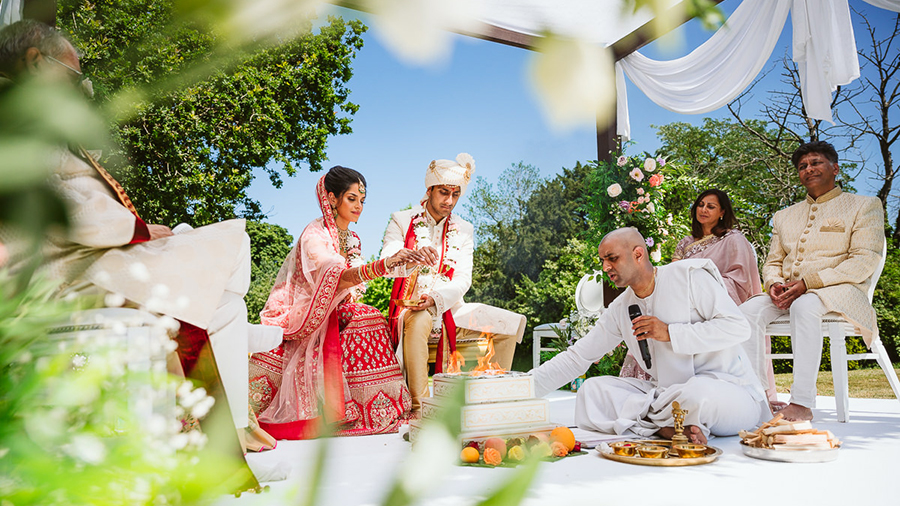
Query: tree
(271, 244)
(188, 148)
(881, 89)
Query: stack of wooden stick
(780, 434)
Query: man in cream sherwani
(694, 333)
(198, 277)
(823, 253)
(441, 312)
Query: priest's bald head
(625, 258)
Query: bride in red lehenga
(336, 364)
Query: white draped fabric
(10, 12)
(891, 5)
(715, 73)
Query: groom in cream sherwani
(441, 315)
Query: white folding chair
(837, 329)
(589, 302)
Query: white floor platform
(359, 470)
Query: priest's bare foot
(796, 413)
(777, 406)
(692, 432)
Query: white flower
(139, 272)
(656, 255)
(575, 80)
(669, 219)
(420, 31)
(114, 300)
(352, 241)
(650, 207)
(649, 164)
(636, 174)
(622, 160)
(432, 456)
(614, 190)
(202, 407)
(87, 448)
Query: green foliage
(269, 247)
(378, 294)
(782, 344)
(887, 304)
(190, 142)
(519, 244)
(67, 432)
(553, 294)
(758, 178)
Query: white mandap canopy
(715, 73)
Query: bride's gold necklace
(343, 236)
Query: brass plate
(406, 302)
(712, 453)
(806, 455)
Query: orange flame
(456, 363)
(485, 366)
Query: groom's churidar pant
(416, 331)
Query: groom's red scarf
(400, 288)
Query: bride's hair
(339, 179)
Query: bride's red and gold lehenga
(336, 364)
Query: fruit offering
(496, 451)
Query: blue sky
(480, 102)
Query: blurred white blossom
(418, 31)
(575, 81)
(139, 272)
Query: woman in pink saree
(336, 365)
(713, 236)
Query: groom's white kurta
(704, 366)
(449, 294)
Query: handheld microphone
(633, 312)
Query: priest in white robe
(694, 333)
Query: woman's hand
(425, 256)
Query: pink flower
(661, 161)
(621, 161)
(655, 179)
(625, 205)
(640, 191)
(649, 242)
(636, 174)
(418, 219)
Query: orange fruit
(469, 455)
(497, 444)
(563, 435)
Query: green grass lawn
(864, 383)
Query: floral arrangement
(630, 192)
(428, 276)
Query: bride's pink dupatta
(303, 302)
